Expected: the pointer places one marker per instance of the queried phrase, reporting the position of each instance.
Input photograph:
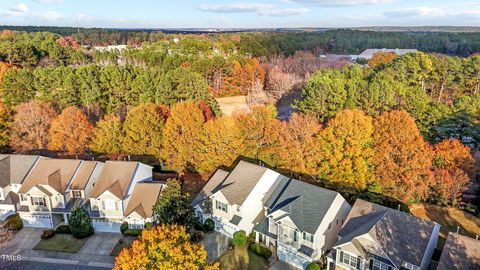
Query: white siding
(432, 244)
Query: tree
(346, 150)
(402, 157)
(31, 124)
(108, 135)
(70, 131)
(180, 139)
(79, 222)
(174, 207)
(451, 154)
(219, 143)
(6, 118)
(279, 83)
(448, 186)
(164, 247)
(143, 129)
(381, 58)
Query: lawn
(119, 247)
(61, 243)
(449, 218)
(239, 259)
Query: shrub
(14, 222)
(148, 225)
(132, 232)
(261, 250)
(63, 229)
(239, 238)
(209, 225)
(313, 266)
(199, 226)
(46, 234)
(197, 236)
(123, 227)
(80, 223)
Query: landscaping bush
(148, 225)
(46, 234)
(123, 227)
(63, 229)
(197, 236)
(209, 225)
(313, 266)
(199, 226)
(132, 232)
(14, 222)
(261, 250)
(80, 223)
(239, 238)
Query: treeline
(354, 151)
(441, 93)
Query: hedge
(14, 222)
(261, 250)
(63, 229)
(313, 266)
(148, 225)
(46, 234)
(123, 227)
(197, 236)
(132, 232)
(239, 238)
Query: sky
(239, 14)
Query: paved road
(27, 265)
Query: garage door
(106, 226)
(36, 221)
(291, 258)
(224, 228)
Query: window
(135, 224)
(308, 237)
(23, 198)
(221, 206)
(77, 194)
(238, 208)
(40, 201)
(350, 260)
(110, 205)
(376, 265)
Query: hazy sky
(216, 13)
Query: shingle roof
(240, 182)
(10, 198)
(202, 198)
(14, 168)
(84, 172)
(115, 177)
(143, 198)
(54, 172)
(370, 52)
(392, 230)
(306, 204)
(460, 253)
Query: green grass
(242, 259)
(449, 218)
(119, 247)
(61, 243)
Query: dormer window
(221, 206)
(77, 194)
(39, 201)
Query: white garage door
(291, 258)
(37, 221)
(224, 228)
(106, 226)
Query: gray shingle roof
(306, 204)
(14, 168)
(394, 231)
(460, 253)
(202, 198)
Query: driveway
(215, 244)
(281, 265)
(100, 243)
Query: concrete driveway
(215, 244)
(281, 265)
(100, 243)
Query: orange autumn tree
(242, 77)
(451, 154)
(346, 150)
(70, 131)
(381, 58)
(164, 247)
(403, 158)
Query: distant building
(110, 48)
(368, 53)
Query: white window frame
(135, 224)
(221, 206)
(349, 259)
(308, 237)
(23, 197)
(39, 201)
(377, 265)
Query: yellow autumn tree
(346, 150)
(70, 131)
(108, 135)
(164, 247)
(219, 144)
(180, 136)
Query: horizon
(149, 14)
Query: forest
(402, 127)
